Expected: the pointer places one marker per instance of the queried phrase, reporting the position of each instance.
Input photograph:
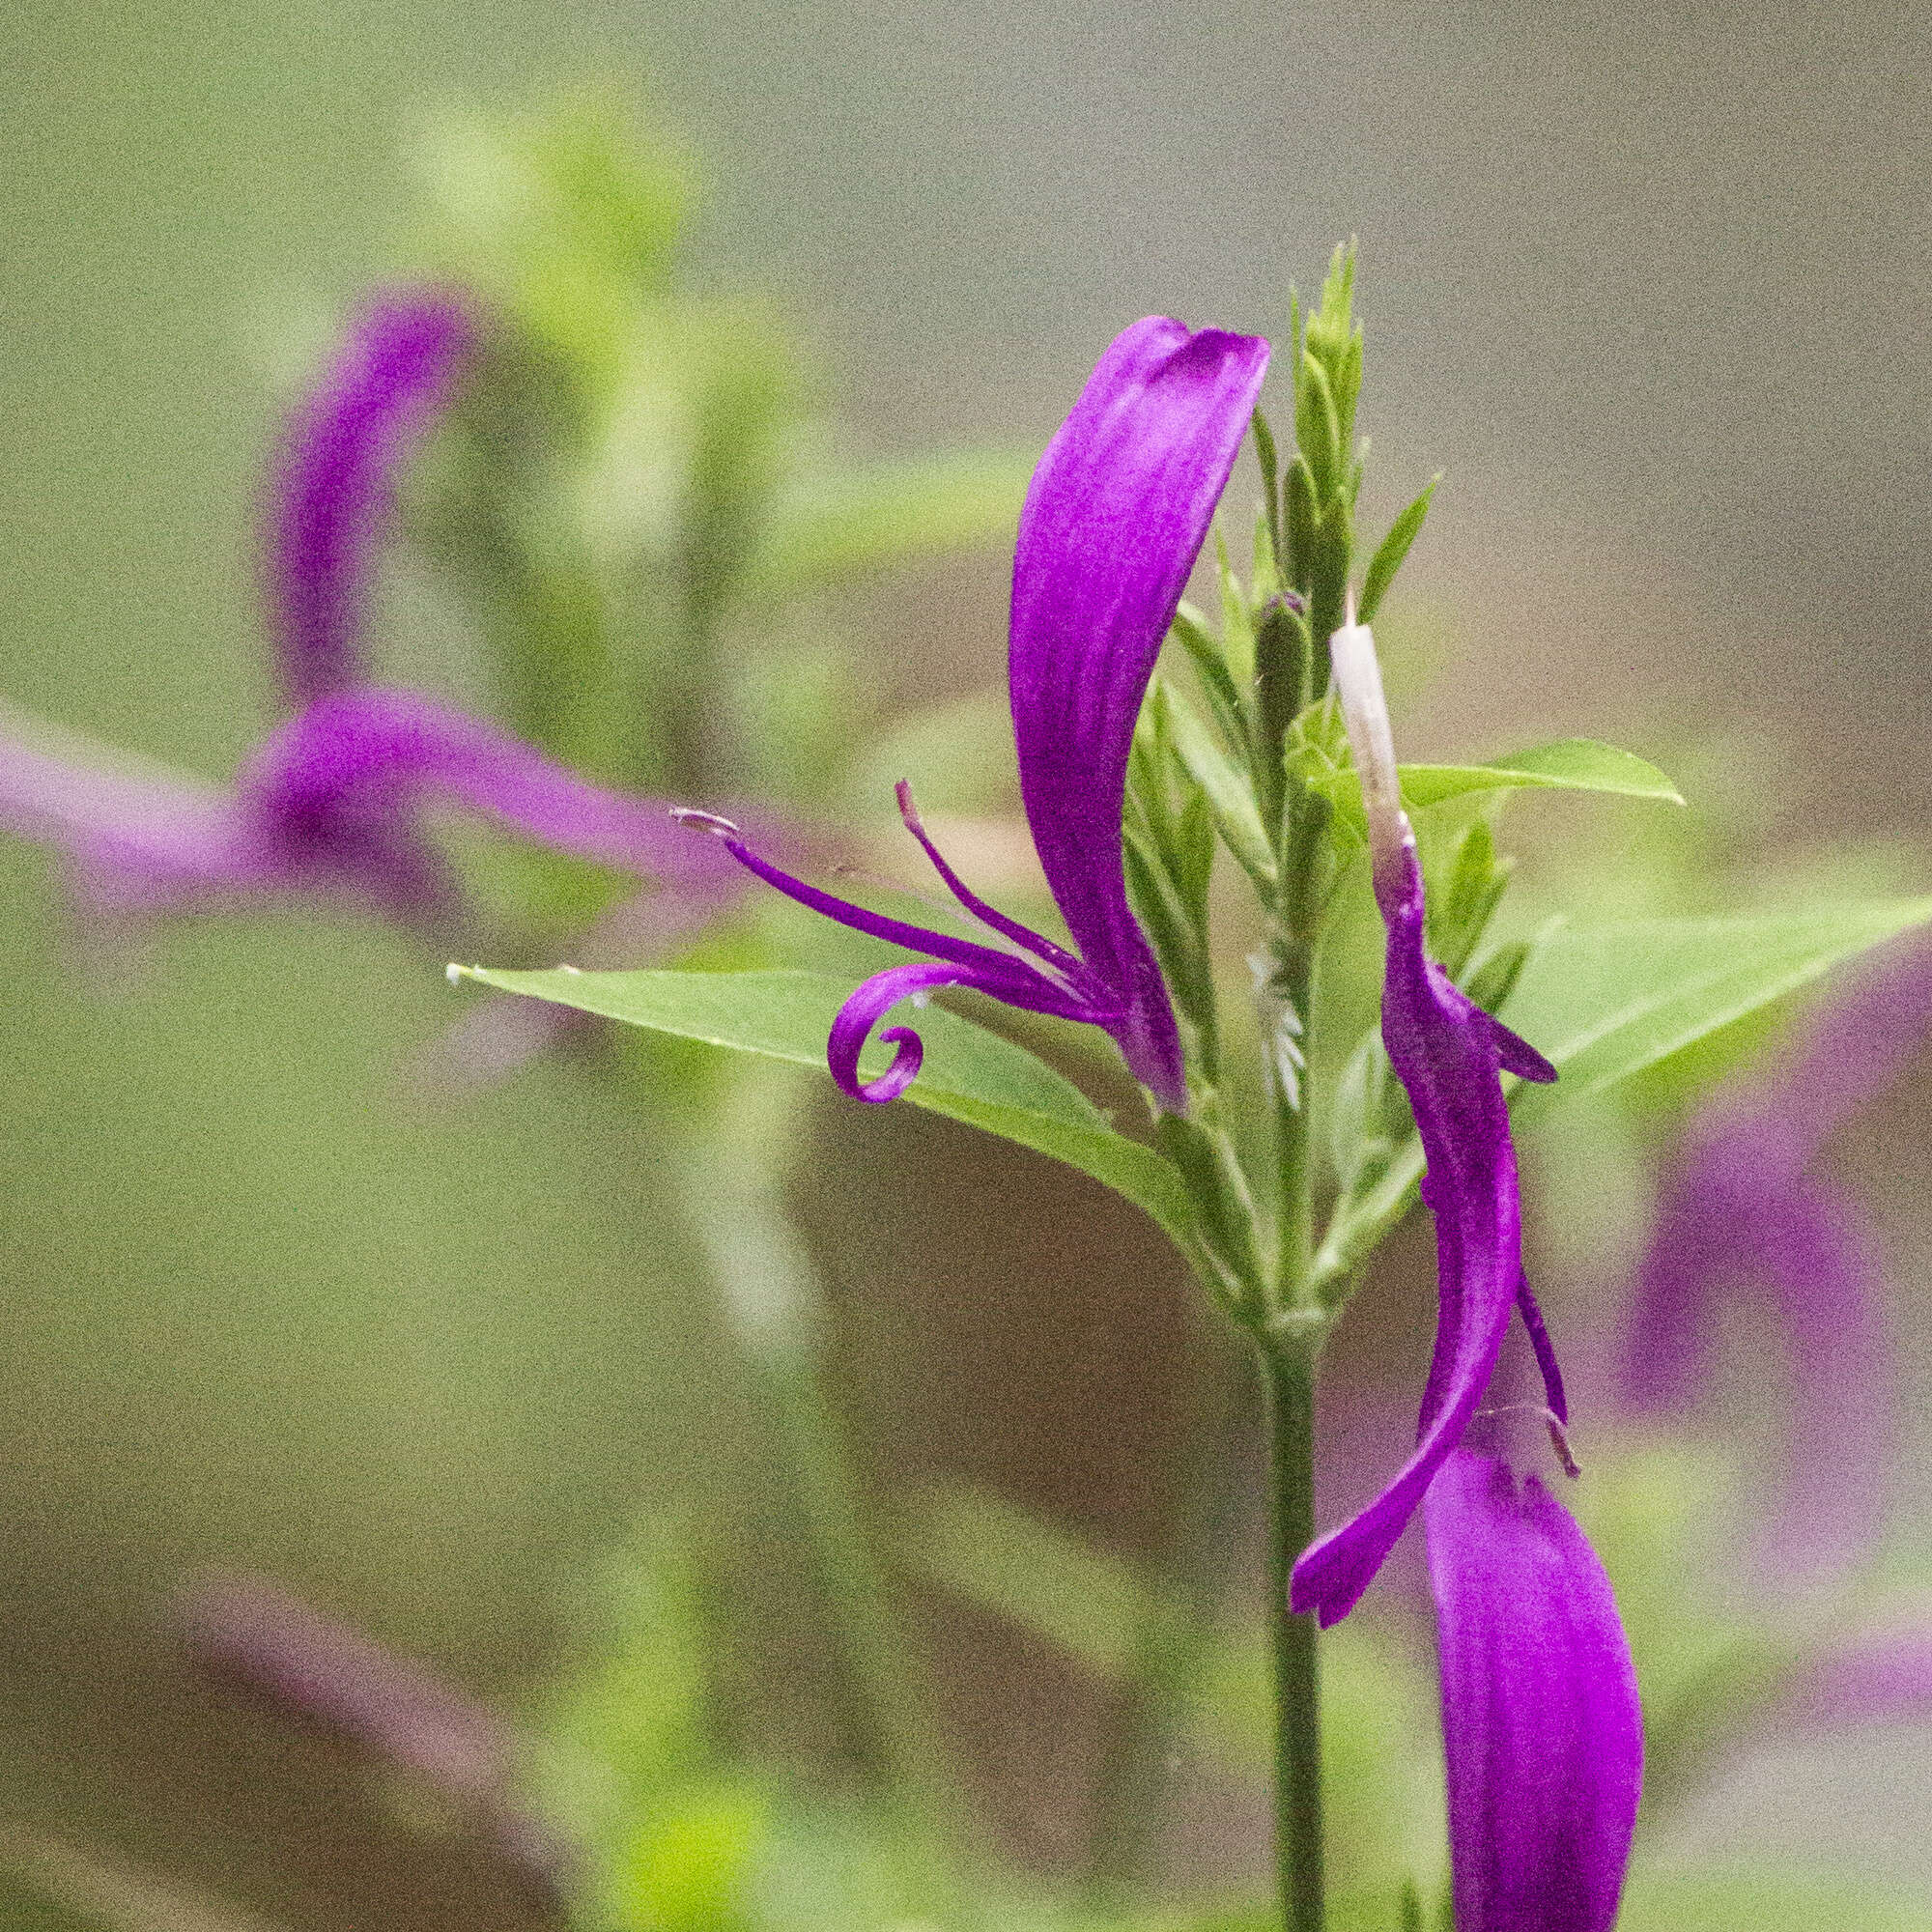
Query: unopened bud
(1359, 681)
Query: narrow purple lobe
(1449, 1056)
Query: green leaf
(1604, 1003)
(1607, 1001)
(893, 513)
(1392, 550)
(1005, 1559)
(970, 1074)
(1768, 1901)
(1203, 651)
(1318, 427)
(1270, 468)
(1571, 764)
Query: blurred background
(1648, 285)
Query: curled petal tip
(863, 1010)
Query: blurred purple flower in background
(1449, 1056)
(394, 373)
(1541, 1723)
(1743, 1212)
(333, 804)
(1118, 507)
(406, 1716)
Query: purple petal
(1859, 1046)
(1540, 1723)
(1005, 976)
(1742, 1213)
(342, 453)
(367, 757)
(1115, 515)
(1446, 1052)
(137, 839)
(330, 805)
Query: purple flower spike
(341, 457)
(1742, 1212)
(1540, 1723)
(1449, 1056)
(1114, 517)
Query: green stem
(774, 1308)
(1288, 1381)
(878, 1657)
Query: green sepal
(1237, 632)
(1328, 587)
(1302, 510)
(1179, 945)
(1281, 655)
(1228, 1221)
(1195, 838)
(1224, 699)
(1222, 784)
(1266, 581)
(1391, 552)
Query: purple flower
(344, 448)
(1113, 521)
(330, 805)
(1540, 1723)
(1449, 1056)
(333, 804)
(313, 1667)
(1742, 1211)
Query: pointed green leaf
(1391, 552)
(970, 1074)
(1270, 468)
(1237, 630)
(1190, 629)
(1606, 1002)
(1573, 764)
